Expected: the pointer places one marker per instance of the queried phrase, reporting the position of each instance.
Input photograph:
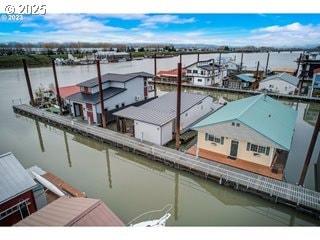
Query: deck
(295, 196)
(238, 163)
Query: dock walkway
(305, 200)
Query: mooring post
(267, 65)
(28, 82)
(103, 115)
(310, 151)
(57, 86)
(178, 108)
(155, 75)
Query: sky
(273, 30)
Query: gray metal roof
(14, 179)
(74, 211)
(95, 98)
(114, 77)
(162, 109)
(285, 77)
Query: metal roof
(261, 113)
(245, 78)
(284, 77)
(162, 109)
(95, 98)
(14, 179)
(73, 211)
(113, 77)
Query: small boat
(161, 222)
(48, 184)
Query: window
(213, 138)
(117, 106)
(258, 149)
(122, 104)
(202, 72)
(238, 124)
(145, 83)
(271, 86)
(186, 115)
(233, 123)
(195, 71)
(189, 71)
(199, 80)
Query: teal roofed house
(254, 129)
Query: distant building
(72, 211)
(288, 70)
(283, 83)
(119, 90)
(240, 81)
(17, 188)
(171, 75)
(155, 121)
(254, 129)
(205, 73)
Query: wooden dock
(304, 200)
(241, 91)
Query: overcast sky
(278, 30)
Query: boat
(48, 185)
(161, 222)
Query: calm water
(130, 184)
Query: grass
(33, 60)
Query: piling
(178, 108)
(267, 65)
(28, 82)
(103, 115)
(57, 86)
(155, 75)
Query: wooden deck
(238, 163)
(59, 183)
(296, 196)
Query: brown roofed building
(73, 212)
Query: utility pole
(310, 151)
(57, 86)
(178, 108)
(28, 82)
(103, 115)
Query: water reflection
(67, 148)
(39, 135)
(108, 167)
(311, 113)
(176, 196)
(317, 174)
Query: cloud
(154, 20)
(294, 27)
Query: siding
(147, 132)
(278, 86)
(167, 130)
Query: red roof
(317, 70)
(67, 91)
(171, 73)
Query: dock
(241, 91)
(298, 197)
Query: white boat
(161, 222)
(48, 185)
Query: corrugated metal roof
(95, 98)
(113, 77)
(73, 212)
(285, 77)
(263, 114)
(162, 109)
(245, 78)
(14, 179)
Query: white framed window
(212, 138)
(258, 149)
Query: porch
(243, 164)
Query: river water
(130, 184)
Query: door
(234, 149)
(77, 109)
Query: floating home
(155, 121)
(205, 73)
(119, 90)
(18, 191)
(283, 83)
(239, 81)
(256, 130)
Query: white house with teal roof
(251, 129)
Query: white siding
(147, 132)
(277, 85)
(117, 84)
(96, 88)
(167, 130)
(241, 133)
(135, 87)
(196, 112)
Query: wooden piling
(178, 108)
(57, 86)
(28, 82)
(267, 65)
(103, 115)
(257, 72)
(155, 75)
(241, 63)
(310, 151)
